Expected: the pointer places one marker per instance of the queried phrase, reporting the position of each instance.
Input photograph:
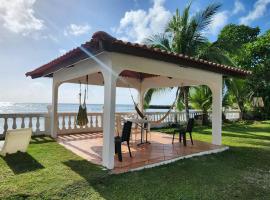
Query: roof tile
(116, 45)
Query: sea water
(7, 108)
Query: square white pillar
(109, 119)
(217, 112)
(54, 117)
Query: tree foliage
(255, 53)
(232, 37)
(201, 99)
(237, 45)
(185, 35)
(251, 52)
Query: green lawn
(49, 171)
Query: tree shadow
(92, 173)
(22, 163)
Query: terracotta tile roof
(102, 41)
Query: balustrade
(36, 121)
(40, 122)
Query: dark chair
(126, 131)
(182, 132)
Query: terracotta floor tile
(89, 147)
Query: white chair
(16, 140)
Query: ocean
(6, 108)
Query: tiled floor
(89, 147)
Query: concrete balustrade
(40, 122)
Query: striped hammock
(162, 118)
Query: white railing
(67, 123)
(232, 115)
(40, 122)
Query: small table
(141, 123)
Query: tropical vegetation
(184, 34)
(236, 45)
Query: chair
(182, 132)
(126, 131)
(15, 140)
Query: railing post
(23, 123)
(14, 125)
(47, 121)
(30, 122)
(38, 126)
(69, 121)
(5, 126)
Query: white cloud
(76, 29)
(238, 7)
(219, 21)
(136, 25)
(62, 51)
(258, 11)
(18, 16)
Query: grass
(48, 171)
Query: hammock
(162, 118)
(82, 118)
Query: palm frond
(213, 53)
(149, 94)
(205, 17)
(162, 41)
(201, 98)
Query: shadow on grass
(22, 163)
(41, 140)
(90, 172)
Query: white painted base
(181, 158)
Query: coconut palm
(201, 99)
(185, 35)
(241, 95)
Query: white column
(54, 119)
(109, 119)
(217, 112)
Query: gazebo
(114, 63)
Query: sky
(33, 32)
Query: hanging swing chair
(82, 118)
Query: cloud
(219, 21)
(18, 16)
(77, 30)
(238, 7)
(258, 11)
(136, 25)
(62, 51)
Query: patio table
(141, 123)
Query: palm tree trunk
(242, 109)
(205, 118)
(186, 91)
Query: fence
(40, 122)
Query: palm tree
(185, 35)
(238, 89)
(201, 99)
